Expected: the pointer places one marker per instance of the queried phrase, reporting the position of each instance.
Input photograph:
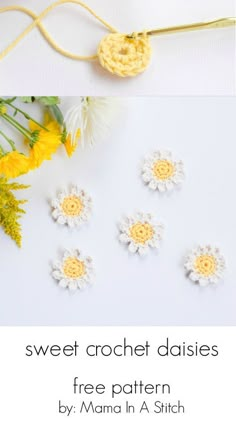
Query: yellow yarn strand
(45, 33)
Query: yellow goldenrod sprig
(10, 209)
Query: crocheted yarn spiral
(125, 55)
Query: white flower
(140, 232)
(205, 265)
(93, 116)
(73, 123)
(74, 271)
(161, 172)
(72, 208)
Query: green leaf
(57, 114)
(48, 100)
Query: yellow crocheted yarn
(206, 265)
(125, 55)
(141, 233)
(73, 268)
(163, 169)
(72, 206)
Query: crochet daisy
(74, 271)
(72, 208)
(162, 172)
(140, 232)
(205, 265)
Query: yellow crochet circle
(163, 169)
(141, 233)
(73, 268)
(206, 265)
(72, 206)
(123, 55)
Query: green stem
(27, 116)
(57, 114)
(17, 125)
(2, 152)
(10, 100)
(10, 141)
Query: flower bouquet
(81, 124)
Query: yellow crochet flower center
(72, 206)
(163, 169)
(74, 268)
(124, 55)
(141, 233)
(206, 265)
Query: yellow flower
(45, 142)
(14, 164)
(72, 146)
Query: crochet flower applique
(72, 208)
(141, 233)
(162, 172)
(205, 265)
(74, 271)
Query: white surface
(36, 384)
(130, 290)
(197, 63)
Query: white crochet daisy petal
(133, 247)
(57, 274)
(124, 238)
(143, 251)
(63, 283)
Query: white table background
(130, 290)
(196, 63)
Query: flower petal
(194, 277)
(57, 275)
(153, 184)
(124, 238)
(143, 251)
(72, 285)
(63, 283)
(133, 247)
(61, 220)
(71, 222)
(161, 187)
(55, 203)
(203, 282)
(214, 280)
(56, 213)
(147, 176)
